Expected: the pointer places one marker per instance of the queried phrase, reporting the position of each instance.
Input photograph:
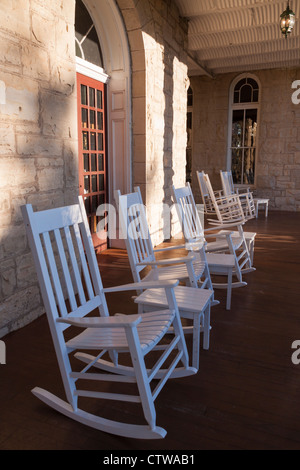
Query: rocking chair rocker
(72, 289)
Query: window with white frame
(243, 129)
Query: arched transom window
(243, 128)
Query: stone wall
(38, 138)
(38, 125)
(157, 37)
(278, 151)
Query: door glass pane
(92, 97)
(83, 90)
(237, 128)
(100, 142)
(86, 184)
(94, 183)
(86, 164)
(93, 162)
(236, 165)
(85, 140)
(100, 121)
(93, 141)
(92, 119)
(101, 182)
(250, 128)
(100, 162)
(84, 117)
(94, 203)
(87, 205)
(249, 166)
(99, 99)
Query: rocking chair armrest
(165, 262)
(219, 235)
(142, 285)
(168, 248)
(224, 226)
(102, 322)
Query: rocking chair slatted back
(135, 229)
(245, 195)
(57, 244)
(188, 213)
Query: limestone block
(35, 62)
(42, 26)
(10, 56)
(15, 17)
(50, 178)
(59, 115)
(64, 39)
(46, 201)
(26, 273)
(8, 282)
(62, 75)
(7, 142)
(30, 144)
(17, 172)
(5, 208)
(19, 304)
(14, 240)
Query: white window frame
(242, 106)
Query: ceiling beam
(202, 67)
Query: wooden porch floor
(245, 395)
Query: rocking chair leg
(206, 334)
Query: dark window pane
(100, 121)
(94, 203)
(99, 99)
(92, 119)
(100, 142)
(246, 94)
(249, 166)
(236, 98)
(93, 162)
(101, 199)
(92, 97)
(190, 97)
(236, 165)
(85, 140)
(86, 164)
(253, 83)
(100, 162)
(93, 141)
(237, 128)
(83, 94)
(94, 183)
(86, 184)
(101, 182)
(255, 96)
(240, 84)
(87, 205)
(84, 117)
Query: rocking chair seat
(151, 329)
(175, 272)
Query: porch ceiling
(239, 35)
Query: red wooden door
(92, 154)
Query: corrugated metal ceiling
(239, 35)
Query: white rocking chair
(194, 299)
(67, 268)
(244, 194)
(219, 263)
(228, 211)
